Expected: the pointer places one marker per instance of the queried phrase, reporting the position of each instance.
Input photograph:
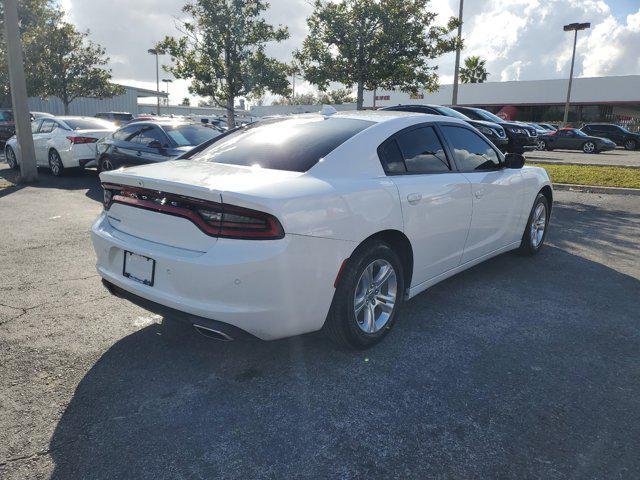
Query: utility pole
(167, 81)
(568, 28)
(154, 51)
(454, 99)
(22, 119)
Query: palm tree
(474, 70)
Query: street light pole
(154, 51)
(19, 99)
(568, 28)
(454, 99)
(167, 81)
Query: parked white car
(291, 224)
(62, 142)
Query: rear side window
(293, 144)
(414, 151)
(470, 150)
(126, 134)
(150, 134)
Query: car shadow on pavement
(73, 179)
(517, 368)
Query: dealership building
(597, 99)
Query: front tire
(55, 164)
(541, 145)
(536, 230)
(368, 297)
(12, 160)
(630, 144)
(105, 164)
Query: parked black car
(574, 139)
(149, 142)
(491, 130)
(620, 135)
(7, 127)
(116, 117)
(521, 136)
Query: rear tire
(630, 144)
(542, 146)
(55, 163)
(365, 307)
(105, 164)
(535, 232)
(589, 147)
(11, 158)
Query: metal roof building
(128, 102)
(614, 99)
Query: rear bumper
(270, 289)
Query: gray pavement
(518, 368)
(618, 157)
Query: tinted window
(450, 112)
(470, 113)
(471, 152)
(294, 144)
(414, 109)
(127, 133)
(391, 157)
(48, 126)
(150, 134)
(191, 135)
(422, 151)
(6, 116)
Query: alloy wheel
(541, 145)
(538, 225)
(589, 147)
(55, 164)
(11, 158)
(375, 296)
(106, 164)
(630, 145)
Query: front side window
(292, 144)
(126, 134)
(471, 152)
(150, 134)
(6, 116)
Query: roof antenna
(328, 110)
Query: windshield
(294, 144)
(450, 112)
(191, 134)
(87, 124)
(488, 116)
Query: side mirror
(514, 160)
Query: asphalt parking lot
(518, 368)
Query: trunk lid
(236, 185)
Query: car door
(564, 139)
(435, 199)
(40, 143)
(125, 150)
(153, 145)
(497, 192)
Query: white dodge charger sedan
(62, 142)
(295, 224)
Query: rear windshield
(293, 144)
(191, 135)
(87, 123)
(6, 116)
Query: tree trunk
(66, 108)
(231, 114)
(360, 99)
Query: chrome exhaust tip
(212, 333)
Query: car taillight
(77, 140)
(214, 219)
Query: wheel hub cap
(375, 296)
(538, 225)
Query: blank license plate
(139, 268)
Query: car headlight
(516, 130)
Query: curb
(578, 164)
(595, 189)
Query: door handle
(414, 198)
(479, 193)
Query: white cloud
(521, 39)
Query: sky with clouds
(521, 39)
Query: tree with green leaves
(76, 66)
(34, 18)
(186, 101)
(297, 99)
(474, 70)
(374, 44)
(222, 52)
(336, 97)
